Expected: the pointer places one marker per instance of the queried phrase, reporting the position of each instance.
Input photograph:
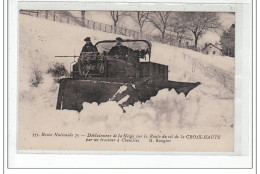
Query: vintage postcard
(147, 81)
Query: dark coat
(89, 48)
(120, 50)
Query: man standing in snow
(88, 47)
(119, 50)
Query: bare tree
(161, 21)
(116, 15)
(198, 23)
(179, 31)
(139, 17)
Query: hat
(119, 39)
(87, 39)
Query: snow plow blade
(74, 92)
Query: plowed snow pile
(207, 107)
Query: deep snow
(208, 108)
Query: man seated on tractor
(89, 51)
(88, 47)
(88, 58)
(119, 50)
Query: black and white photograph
(153, 81)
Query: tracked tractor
(129, 78)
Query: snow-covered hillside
(207, 108)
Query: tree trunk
(163, 36)
(141, 32)
(83, 18)
(196, 42)
(115, 27)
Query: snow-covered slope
(209, 107)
